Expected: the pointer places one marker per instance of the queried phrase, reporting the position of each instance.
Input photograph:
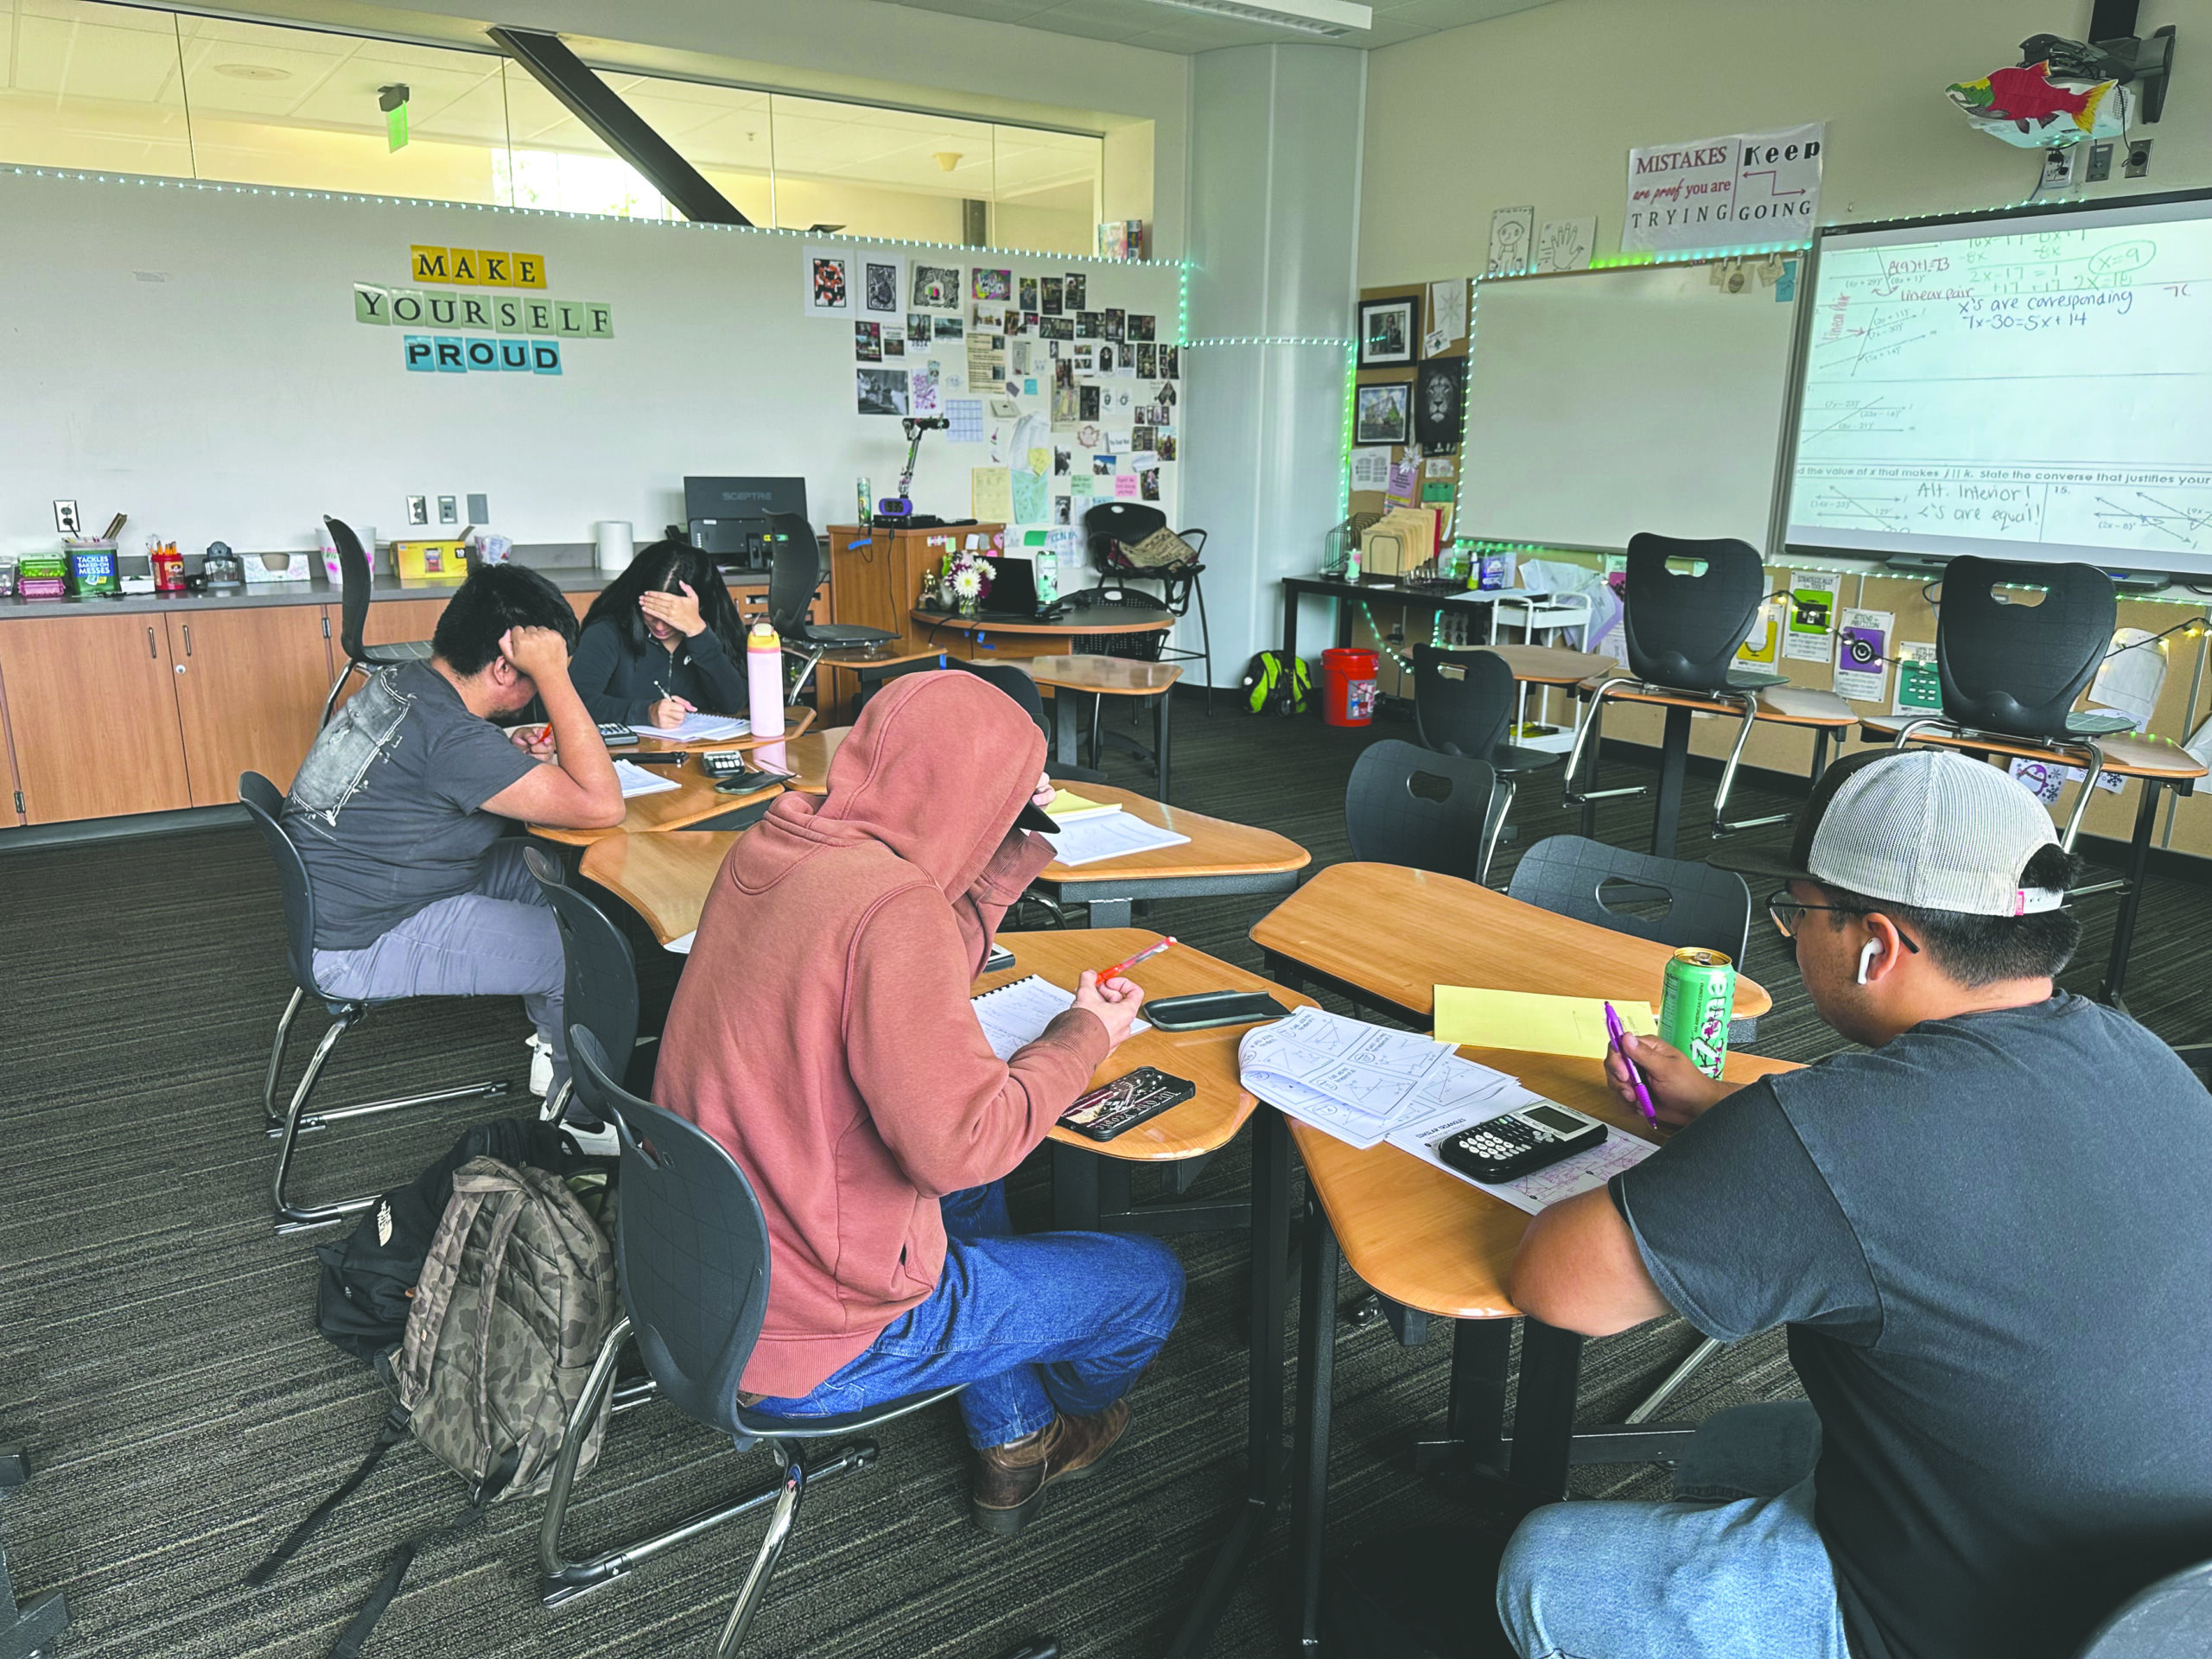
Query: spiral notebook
(1016, 1015)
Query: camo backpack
(515, 1299)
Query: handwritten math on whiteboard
(2039, 391)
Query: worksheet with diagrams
(1357, 1081)
(1619, 1150)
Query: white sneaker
(602, 1142)
(541, 1065)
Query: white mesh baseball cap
(1927, 828)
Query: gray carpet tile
(158, 1361)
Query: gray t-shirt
(385, 809)
(1988, 1242)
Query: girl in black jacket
(661, 640)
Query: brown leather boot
(1011, 1480)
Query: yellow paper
(1540, 1025)
(1041, 461)
(991, 498)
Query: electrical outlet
(418, 509)
(448, 509)
(2058, 169)
(480, 509)
(2101, 162)
(2139, 159)
(66, 520)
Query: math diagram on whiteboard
(2043, 388)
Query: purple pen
(1618, 1031)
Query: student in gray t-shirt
(401, 808)
(1983, 1237)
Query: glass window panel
(721, 130)
(91, 85)
(557, 161)
(1048, 189)
(888, 173)
(298, 107)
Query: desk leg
(1289, 625)
(1543, 1414)
(1263, 1428)
(1673, 762)
(1107, 912)
(1820, 752)
(2139, 860)
(1075, 1190)
(1317, 1355)
(1066, 727)
(1161, 715)
(1474, 1410)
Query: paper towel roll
(616, 547)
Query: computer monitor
(728, 516)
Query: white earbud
(1866, 958)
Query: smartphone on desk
(1201, 1009)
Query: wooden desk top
(1207, 1120)
(1112, 676)
(1399, 933)
(2125, 755)
(854, 659)
(1784, 705)
(1550, 664)
(797, 719)
(664, 878)
(1427, 1239)
(1216, 846)
(1109, 618)
(695, 797)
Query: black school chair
(353, 615)
(264, 804)
(1681, 632)
(2011, 670)
(1463, 704)
(1115, 528)
(1427, 811)
(2172, 1619)
(691, 1246)
(599, 977)
(794, 577)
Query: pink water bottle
(764, 688)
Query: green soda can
(1693, 1009)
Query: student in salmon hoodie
(822, 1032)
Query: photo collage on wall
(1408, 403)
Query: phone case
(1167, 1013)
(1125, 1102)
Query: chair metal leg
(790, 1490)
(337, 685)
(1497, 829)
(1722, 823)
(2084, 751)
(291, 1217)
(1588, 733)
(1206, 639)
(1675, 1378)
(268, 1111)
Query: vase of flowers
(967, 580)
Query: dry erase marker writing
(1123, 966)
(1618, 1032)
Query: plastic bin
(1348, 680)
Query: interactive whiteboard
(2033, 386)
(1642, 397)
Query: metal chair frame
(2083, 751)
(353, 564)
(1744, 704)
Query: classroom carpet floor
(157, 1361)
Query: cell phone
(616, 735)
(1511, 1145)
(663, 757)
(1125, 1102)
(1201, 1009)
(1000, 957)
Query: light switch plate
(480, 509)
(2101, 162)
(448, 509)
(418, 509)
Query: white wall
(1541, 107)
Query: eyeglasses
(1787, 915)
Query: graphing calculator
(1127, 1102)
(617, 735)
(1508, 1146)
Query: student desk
(2158, 763)
(1104, 676)
(1822, 713)
(975, 638)
(1090, 1179)
(1386, 937)
(868, 667)
(1220, 857)
(695, 798)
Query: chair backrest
(1463, 700)
(264, 804)
(354, 572)
(600, 974)
(1683, 630)
(1567, 876)
(794, 572)
(1412, 806)
(1014, 682)
(2013, 668)
(2172, 1619)
(691, 1244)
(1126, 521)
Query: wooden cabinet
(876, 574)
(250, 685)
(394, 622)
(92, 711)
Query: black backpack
(1277, 684)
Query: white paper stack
(1357, 1081)
(1111, 834)
(1016, 1015)
(698, 729)
(642, 780)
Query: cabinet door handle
(150, 652)
(187, 638)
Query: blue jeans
(1733, 1569)
(1052, 1322)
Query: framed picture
(1386, 332)
(1380, 413)
(1439, 390)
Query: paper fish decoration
(2023, 106)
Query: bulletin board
(201, 358)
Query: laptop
(1013, 597)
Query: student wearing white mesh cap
(1985, 1235)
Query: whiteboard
(190, 355)
(1640, 397)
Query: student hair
(495, 598)
(1982, 950)
(662, 567)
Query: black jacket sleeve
(593, 670)
(721, 682)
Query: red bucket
(1348, 686)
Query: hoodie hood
(937, 769)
